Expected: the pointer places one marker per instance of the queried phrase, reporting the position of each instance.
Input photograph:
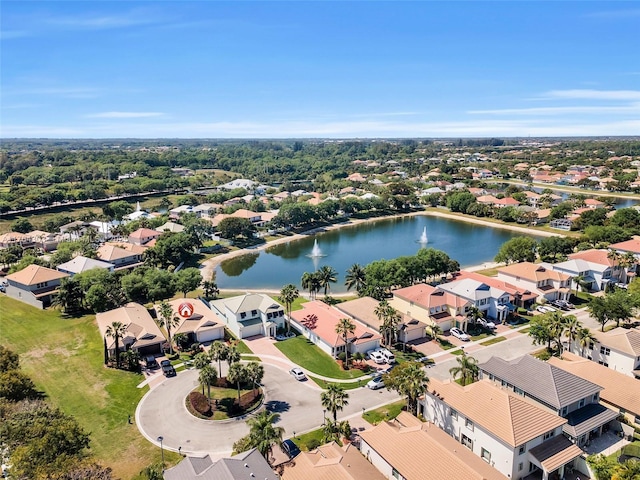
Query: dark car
(290, 448)
(168, 370)
(151, 362)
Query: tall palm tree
(167, 319)
(467, 369)
(263, 433)
(309, 282)
(116, 331)
(344, 328)
(585, 338)
(390, 320)
(218, 352)
(288, 295)
(355, 278)
(326, 276)
(572, 327)
(255, 374)
(408, 379)
(434, 330)
(208, 376)
(334, 398)
(557, 327)
(69, 297)
(233, 355)
(210, 289)
(237, 374)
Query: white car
(376, 356)
(375, 383)
(544, 309)
(456, 332)
(298, 374)
(486, 323)
(388, 356)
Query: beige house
(121, 257)
(410, 449)
(431, 306)
(141, 332)
(331, 462)
(617, 349)
(536, 278)
(202, 326)
(34, 285)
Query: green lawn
(312, 438)
(301, 351)
(493, 340)
(387, 412)
(346, 386)
(64, 357)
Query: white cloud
(125, 115)
(595, 110)
(587, 94)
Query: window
(548, 435)
(605, 350)
(581, 403)
(469, 424)
(243, 315)
(466, 441)
(454, 414)
(522, 449)
(519, 391)
(637, 419)
(486, 455)
(595, 397)
(564, 411)
(254, 312)
(520, 466)
(396, 474)
(606, 364)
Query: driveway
(162, 412)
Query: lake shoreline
(209, 265)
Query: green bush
(313, 443)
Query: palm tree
(308, 282)
(334, 431)
(629, 470)
(467, 369)
(69, 297)
(180, 339)
(390, 320)
(572, 327)
(326, 276)
(288, 295)
(210, 289)
(434, 330)
(263, 433)
(208, 376)
(237, 374)
(255, 374)
(408, 379)
(344, 328)
(334, 398)
(474, 314)
(355, 278)
(233, 355)
(116, 331)
(167, 319)
(585, 338)
(557, 326)
(218, 352)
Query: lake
(363, 243)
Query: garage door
(210, 335)
(251, 330)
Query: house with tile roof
(249, 465)
(512, 434)
(491, 301)
(410, 449)
(202, 326)
(332, 462)
(207, 210)
(122, 256)
(556, 390)
(170, 227)
(143, 236)
(517, 296)
(141, 332)
(250, 314)
(545, 282)
(594, 266)
(431, 306)
(363, 310)
(620, 392)
(318, 321)
(81, 264)
(630, 246)
(34, 285)
(617, 349)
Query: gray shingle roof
(546, 383)
(249, 465)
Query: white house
(250, 314)
(491, 301)
(545, 282)
(617, 349)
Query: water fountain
(315, 251)
(423, 237)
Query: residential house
(74, 230)
(141, 332)
(556, 390)
(545, 282)
(202, 326)
(332, 462)
(409, 449)
(518, 296)
(617, 349)
(121, 257)
(493, 302)
(250, 314)
(207, 210)
(180, 210)
(253, 217)
(318, 321)
(34, 285)
(11, 239)
(363, 310)
(239, 183)
(138, 214)
(170, 227)
(431, 306)
(510, 433)
(594, 267)
(81, 264)
(249, 465)
(620, 392)
(142, 236)
(630, 246)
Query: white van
(387, 355)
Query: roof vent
(246, 465)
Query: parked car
(375, 383)
(387, 355)
(290, 448)
(486, 323)
(298, 374)
(545, 309)
(150, 362)
(168, 371)
(456, 332)
(376, 356)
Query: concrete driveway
(162, 412)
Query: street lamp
(363, 411)
(324, 416)
(160, 439)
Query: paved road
(162, 412)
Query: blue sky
(208, 69)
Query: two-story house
(558, 391)
(492, 302)
(510, 433)
(121, 257)
(142, 236)
(594, 267)
(545, 282)
(207, 210)
(518, 296)
(617, 349)
(250, 314)
(34, 285)
(81, 264)
(431, 306)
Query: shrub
(200, 403)
(313, 443)
(342, 356)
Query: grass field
(492, 341)
(64, 358)
(388, 412)
(311, 358)
(345, 386)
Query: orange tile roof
(632, 245)
(619, 389)
(144, 233)
(533, 272)
(621, 339)
(593, 255)
(513, 419)
(494, 282)
(34, 274)
(427, 296)
(421, 451)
